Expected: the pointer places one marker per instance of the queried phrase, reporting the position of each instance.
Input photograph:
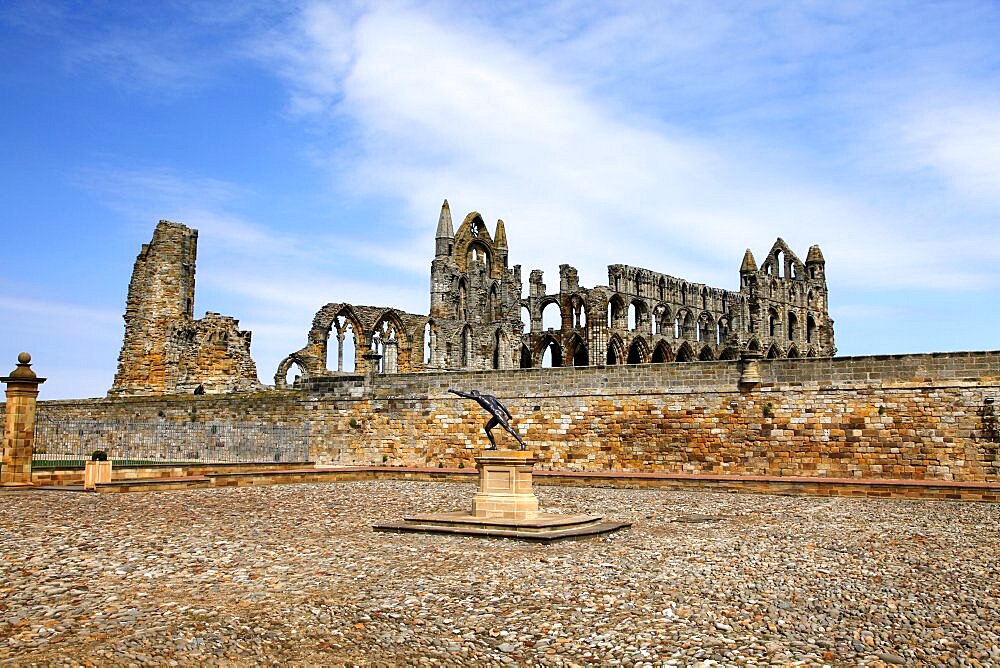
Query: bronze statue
(492, 406)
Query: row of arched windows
(699, 341)
(791, 329)
(635, 316)
(638, 352)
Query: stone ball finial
(23, 370)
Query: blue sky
(312, 143)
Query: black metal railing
(68, 443)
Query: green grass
(57, 464)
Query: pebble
(890, 658)
(294, 574)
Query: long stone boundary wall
(922, 417)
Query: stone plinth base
(505, 486)
(506, 507)
(542, 528)
(95, 473)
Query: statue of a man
(499, 412)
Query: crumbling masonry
(167, 351)
(478, 318)
(641, 316)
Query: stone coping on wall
(196, 465)
(790, 485)
(541, 474)
(927, 370)
(764, 478)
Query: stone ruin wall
(165, 349)
(905, 416)
(475, 319)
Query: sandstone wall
(903, 416)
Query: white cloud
(62, 315)
(317, 60)
(137, 61)
(206, 204)
(55, 333)
(138, 191)
(959, 143)
(450, 108)
(163, 51)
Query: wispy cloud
(318, 63)
(444, 105)
(960, 143)
(160, 51)
(197, 201)
(135, 60)
(55, 332)
(61, 314)
(131, 191)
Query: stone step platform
(154, 484)
(757, 484)
(543, 528)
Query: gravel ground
(295, 575)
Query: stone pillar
(749, 370)
(371, 365)
(19, 424)
(340, 351)
(505, 485)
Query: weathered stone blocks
(166, 350)
(876, 422)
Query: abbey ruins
(911, 426)
(649, 373)
(479, 318)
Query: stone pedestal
(505, 486)
(96, 472)
(749, 370)
(505, 507)
(19, 424)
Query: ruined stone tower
(165, 350)
(473, 291)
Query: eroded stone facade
(640, 316)
(166, 350)
(479, 319)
